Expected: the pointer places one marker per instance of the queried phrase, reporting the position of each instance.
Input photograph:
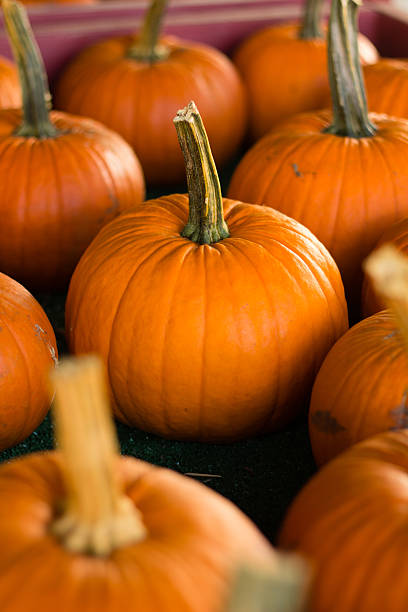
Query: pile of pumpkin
(215, 319)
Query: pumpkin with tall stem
(362, 388)
(284, 68)
(89, 530)
(343, 174)
(197, 305)
(135, 84)
(63, 176)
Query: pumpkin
(10, 95)
(350, 520)
(201, 319)
(396, 235)
(135, 84)
(342, 174)
(276, 91)
(387, 87)
(27, 351)
(361, 388)
(112, 533)
(63, 176)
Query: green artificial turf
(260, 475)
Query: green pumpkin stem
(206, 217)
(147, 48)
(311, 27)
(350, 114)
(33, 78)
(98, 517)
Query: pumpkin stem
(282, 587)
(33, 78)
(147, 48)
(350, 114)
(98, 517)
(388, 271)
(205, 223)
(310, 28)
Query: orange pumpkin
(10, 94)
(135, 84)
(63, 176)
(387, 87)
(343, 174)
(284, 68)
(350, 521)
(396, 235)
(361, 388)
(203, 328)
(27, 351)
(113, 533)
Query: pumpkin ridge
(115, 317)
(377, 145)
(335, 208)
(53, 156)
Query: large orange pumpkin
(203, 328)
(63, 176)
(387, 87)
(27, 351)
(136, 84)
(396, 235)
(343, 174)
(84, 529)
(284, 68)
(350, 521)
(361, 388)
(10, 94)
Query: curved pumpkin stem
(311, 20)
(388, 271)
(206, 215)
(33, 78)
(98, 517)
(350, 114)
(147, 48)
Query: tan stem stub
(147, 48)
(33, 79)
(98, 518)
(388, 272)
(206, 223)
(281, 586)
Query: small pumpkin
(10, 94)
(135, 84)
(362, 386)
(63, 176)
(397, 235)
(342, 174)
(284, 68)
(386, 83)
(201, 319)
(350, 520)
(27, 351)
(112, 533)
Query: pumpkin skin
(59, 193)
(397, 235)
(206, 342)
(352, 514)
(352, 397)
(10, 95)
(303, 84)
(195, 539)
(387, 87)
(139, 100)
(27, 352)
(347, 191)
